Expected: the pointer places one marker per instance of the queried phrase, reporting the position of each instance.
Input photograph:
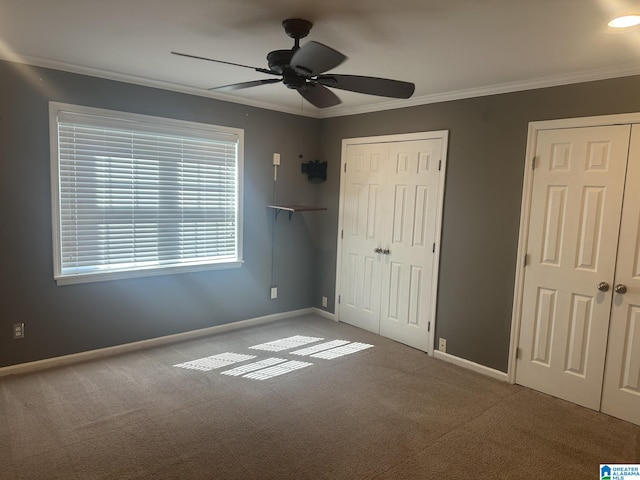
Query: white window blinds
(139, 193)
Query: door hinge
(518, 353)
(339, 298)
(439, 164)
(428, 326)
(345, 168)
(533, 163)
(525, 260)
(433, 250)
(341, 233)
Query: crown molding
(148, 82)
(495, 89)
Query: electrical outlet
(276, 159)
(18, 331)
(274, 293)
(443, 345)
(324, 302)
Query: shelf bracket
(277, 210)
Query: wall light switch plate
(443, 345)
(276, 159)
(274, 293)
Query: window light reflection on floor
(250, 367)
(276, 370)
(216, 361)
(285, 343)
(273, 366)
(341, 351)
(319, 347)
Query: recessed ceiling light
(625, 21)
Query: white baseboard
(476, 367)
(325, 314)
(152, 342)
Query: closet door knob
(620, 288)
(386, 251)
(377, 250)
(603, 286)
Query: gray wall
(487, 138)
(487, 141)
(73, 318)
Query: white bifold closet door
(621, 389)
(580, 325)
(390, 216)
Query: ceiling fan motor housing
(279, 60)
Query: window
(135, 195)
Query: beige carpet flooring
(387, 412)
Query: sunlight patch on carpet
(342, 351)
(216, 361)
(266, 368)
(250, 367)
(276, 370)
(319, 347)
(286, 343)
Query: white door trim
(532, 138)
(439, 134)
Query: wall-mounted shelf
(294, 208)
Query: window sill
(150, 272)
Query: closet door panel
(413, 178)
(621, 389)
(363, 230)
(578, 183)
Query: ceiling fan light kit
(303, 69)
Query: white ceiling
(448, 48)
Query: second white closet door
(389, 229)
(572, 245)
(410, 227)
(621, 389)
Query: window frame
(159, 124)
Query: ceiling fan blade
(257, 69)
(382, 87)
(320, 96)
(239, 86)
(314, 58)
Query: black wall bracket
(316, 170)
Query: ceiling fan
(302, 69)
